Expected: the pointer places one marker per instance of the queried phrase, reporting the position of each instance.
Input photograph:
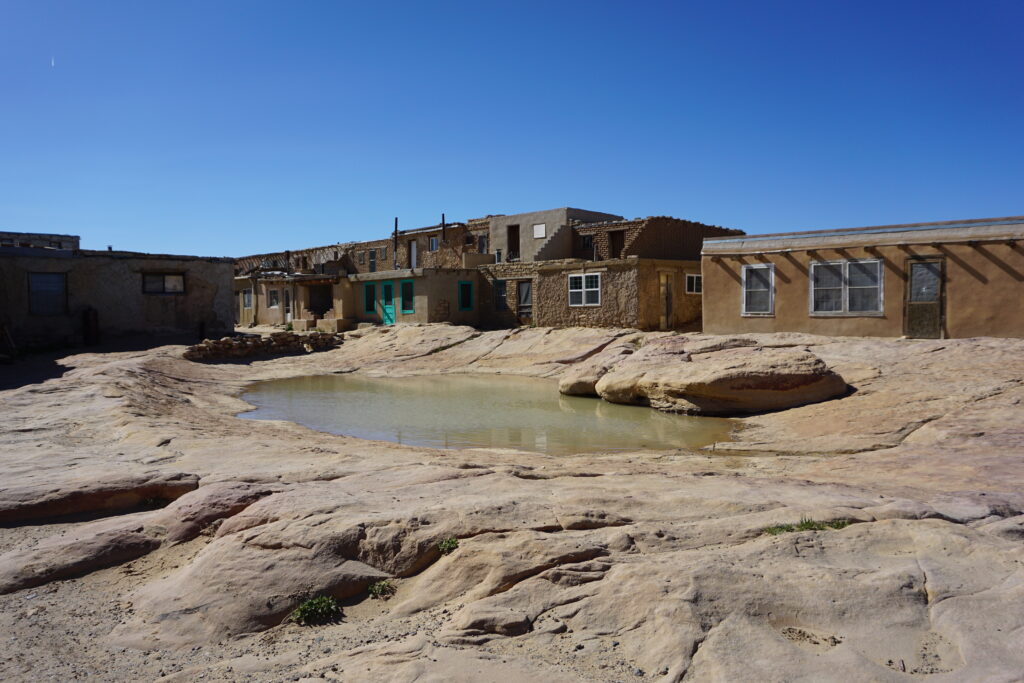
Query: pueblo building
(925, 280)
(556, 268)
(54, 294)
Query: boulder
(731, 381)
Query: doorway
(513, 243)
(287, 305)
(320, 300)
(524, 307)
(616, 243)
(387, 303)
(666, 282)
(925, 304)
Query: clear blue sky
(227, 128)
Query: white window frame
(694, 277)
(846, 313)
(771, 291)
(583, 290)
(433, 243)
(540, 230)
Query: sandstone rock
(109, 491)
(728, 382)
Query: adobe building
(642, 273)
(56, 296)
(555, 268)
(926, 280)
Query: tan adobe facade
(939, 280)
(642, 273)
(51, 297)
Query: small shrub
(320, 610)
(289, 327)
(448, 545)
(381, 590)
(805, 524)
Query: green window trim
(369, 298)
(468, 307)
(407, 297)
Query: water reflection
(460, 411)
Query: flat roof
(902, 227)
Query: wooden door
(666, 282)
(925, 301)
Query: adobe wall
(512, 273)
(984, 291)
(112, 284)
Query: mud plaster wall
(984, 291)
(435, 296)
(113, 286)
(512, 274)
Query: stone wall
(277, 344)
(511, 273)
(108, 287)
(658, 237)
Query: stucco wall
(435, 295)
(984, 291)
(557, 241)
(630, 295)
(112, 284)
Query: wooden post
(444, 237)
(394, 246)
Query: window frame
(845, 290)
(770, 313)
(433, 243)
(273, 298)
(370, 302)
(699, 279)
(583, 289)
(401, 296)
(247, 298)
(64, 299)
(164, 275)
(501, 295)
(471, 295)
(543, 231)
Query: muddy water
(460, 411)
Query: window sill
(757, 315)
(841, 314)
(584, 305)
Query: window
(6, 243)
(694, 284)
(587, 246)
(585, 290)
(408, 297)
(500, 295)
(481, 244)
(383, 253)
(47, 293)
(369, 298)
(759, 290)
(273, 298)
(373, 260)
(846, 288)
(163, 283)
(362, 257)
(539, 230)
(465, 295)
(432, 243)
(246, 298)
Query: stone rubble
(276, 344)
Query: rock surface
(632, 566)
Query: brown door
(925, 298)
(616, 243)
(665, 283)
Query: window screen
(846, 287)
(758, 297)
(163, 283)
(47, 293)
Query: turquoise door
(387, 303)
